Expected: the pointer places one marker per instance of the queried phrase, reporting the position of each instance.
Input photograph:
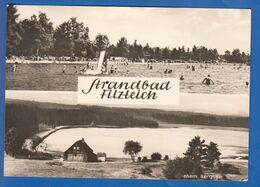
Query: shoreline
(48, 133)
(161, 126)
(168, 125)
(10, 61)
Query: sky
(223, 29)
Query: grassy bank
(115, 168)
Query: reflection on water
(170, 141)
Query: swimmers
(75, 67)
(207, 81)
(168, 71)
(181, 78)
(64, 69)
(247, 84)
(14, 67)
(112, 69)
(103, 69)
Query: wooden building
(80, 152)
(101, 157)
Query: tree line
(37, 37)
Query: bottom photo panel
(47, 134)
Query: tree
(166, 53)
(122, 48)
(197, 157)
(112, 51)
(30, 32)
(91, 51)
(236, 56)
(37, 36)
(196, 150)
(11, 140)
(212, 154)
(244, 58)
(181, 168)
(148, 51)
(195, 53)
(227, 56)
(13, 37)
(136, 51)
(79, 37)
(174, 54)
(72, 39)
(63, 43)
(156, 156)
(101, 42)
(46, 35)
(158, 53)
(132, 148)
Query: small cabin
(101, 157)
(80, 152)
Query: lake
(167, 141)
(228, 78)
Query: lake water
(228, 78)
(170, 141)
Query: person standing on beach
(104, 65)
(64, 69)
(112, 69)
(14, 67)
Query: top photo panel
(49, 47)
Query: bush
(166, 157)
(212, 154)
(228, 169)
(146, 171)
(181, 168)
(244, 158)
(145, 159)
(156, 156)
(132, 148)
(26, 154)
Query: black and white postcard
(127, 92)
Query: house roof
(101, 154)
(82, 144)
